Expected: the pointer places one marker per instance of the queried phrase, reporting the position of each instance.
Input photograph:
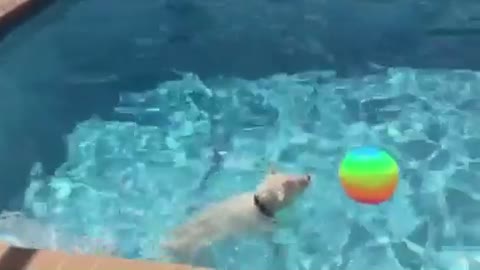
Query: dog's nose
(305, 181)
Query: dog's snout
(305, 181)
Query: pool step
(14, 258)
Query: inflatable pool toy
(369, 175)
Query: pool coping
(15, 258)
(14, 13)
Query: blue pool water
(114, 175)
(131, 183)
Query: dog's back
(218, 221)
(236, 215)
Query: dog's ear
(280, 195)
(271, 168)
(289, 184)
(271, 197)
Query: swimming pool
(170, 148)
(130, 182)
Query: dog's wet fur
(247, 212)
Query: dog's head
(279, 190)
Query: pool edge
(14, 13)
(13, 258)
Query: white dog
(246, 212)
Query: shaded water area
(73, 60)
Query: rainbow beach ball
(369, 175)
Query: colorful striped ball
(369, 175)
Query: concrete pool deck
(15, 12)
(13, 258)
(9, 6)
